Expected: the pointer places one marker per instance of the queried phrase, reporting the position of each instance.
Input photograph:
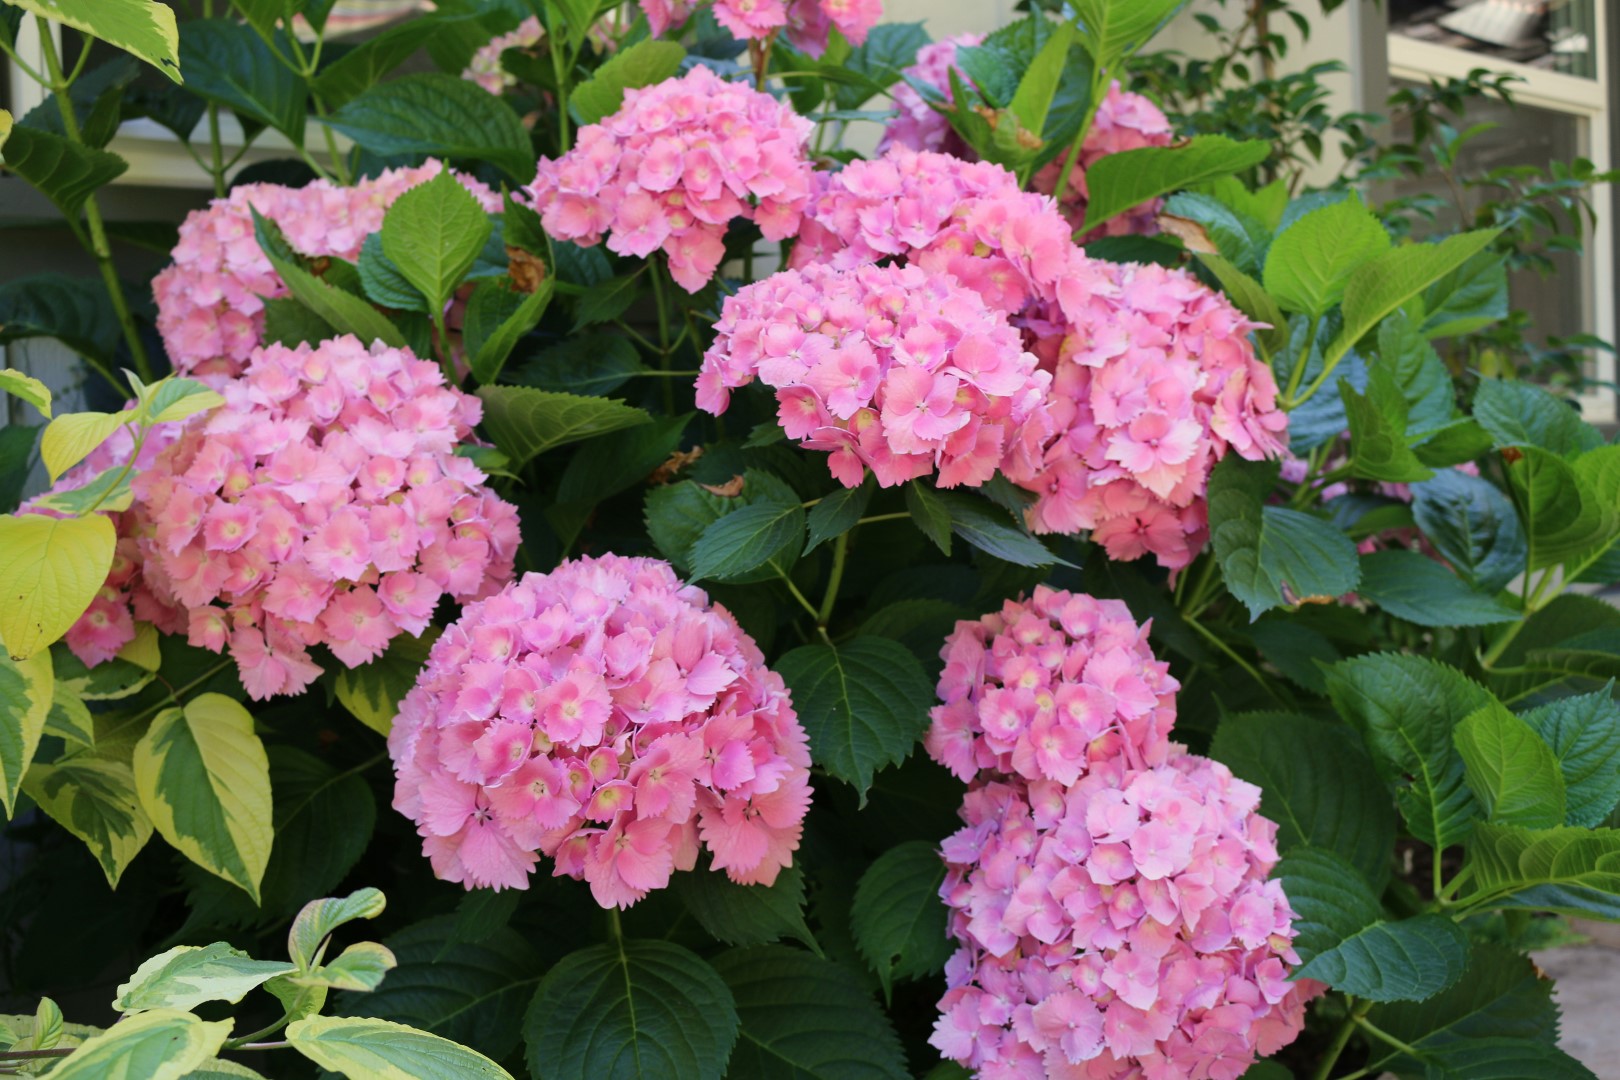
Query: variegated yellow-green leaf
(70, 717)
(142, 28)
(360, 967)
(319, 918)
(26, 688)
(69, 439)
(50, 570)
(365, 1049)
(172, 399)
(26, 387)
(47, 1025)
(164, 1044)
(372, 691)
(110, 680)
(93, 798)
(142, 650)
(203, 777)
(188, 975)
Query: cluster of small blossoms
(1121, 926)
(1045, 687)
(210, 300)
(322, 504)
(806, 24)
(485, 67)
(890, 368)
(124, 598)
(1155, 381)
(673, 167)
(607, 716)
(1123, 121)
(1107, 889)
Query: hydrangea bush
(787, 548)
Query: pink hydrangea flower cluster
(807, 24)
(485, 67)
(673, 167)
(210, 300)
(323, 504)
(916, 123)
(125, 597)
(609, 717)
(1156, 381)
(1046, 687)
(1118, 927)
(1108, 888)
(890, 368)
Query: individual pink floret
(892, 369)
(611, 718)
(1121, 926)
(1048, 686)
(672, 168)
(210, 300)
(805, 23)
(322, 504)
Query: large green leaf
(839, 512)
(746, 914)
(162, 1044)
(228, 63)
(94, 799)
(930, 514)
(188, 975)
(589, 364)
(1347, 943)
(1564, 520)
(1271, 556)
(864, 704)
(50, 571)
(631, 1010)
(746, 538)
(805, 1018)
(1519, 414)
(1311, 260)
(1504, 1059)
(1470, 298)
(362, 1048)
(1317, 784)
(471, 992)
(606, 466)
(1418, 589)
(65, 171)
(363, 67)
(1380, 287)
(1567, 870)
(642, 64)
(1407, 708)
(897, 916)
(432, 233)
(1510, 769)
(498, 315)
(73, 310)
(989, 529)
(525, 422)
(343, 311)
(203, 778)
(1584, 734)
(142, 28)
(1111, 29)
(26, 690)
(1120, 181)
(439, 115)
(372, 692)
(1473, 525)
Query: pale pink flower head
(210, 299)
(916, 123)
(1124, 121)
(897, 369)
(672, 168)
(1118, 926)
(805, 23)
(485, 66)
(322, 504)
(1046, 687)
(609, 717)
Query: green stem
(616, 927)
(1341, 1039)
(446, 362)
(804, 601)
(32, 1055)
(656, 269)
(1099, 81)
(1231, 654)
(99, 245)
(1301, 362)
(840, 554)
(134, 455)
(882, 517)
(554, 47)
(1382, 1036)
(281, 1044)
(238, 1044)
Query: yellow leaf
(26, 387)
(50, 570)
(69, 439)
(26, 688)
(203, 778)
(142, 650)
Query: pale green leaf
(319, 918)
(362, 1048)
(28, 388)
(1567, 870)
(1510, 769)
(162, 1044)
(173, 399)
(1110, 29)
(142, 28)
(70, 438)
(50, 571)
(1311, 260)
(94, 798)
(1121, 181)
(26, 689)
(188, 975)
(360, 967)
(432, 233)
(642, 64)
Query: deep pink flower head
(125, 598)
(608, 716)
(210, 300)
(1046, 687)
(673, 167)
(805, 23)
(322, 504)
(890, 368)
(1154, 381)
(1121, 926)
